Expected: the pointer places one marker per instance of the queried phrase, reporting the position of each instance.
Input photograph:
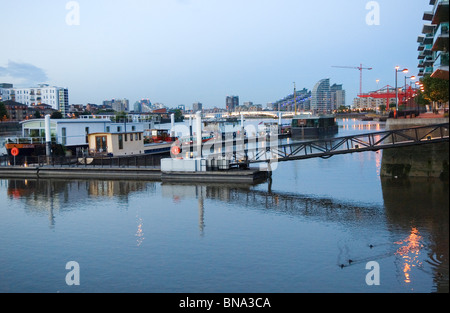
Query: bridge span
(271, 149)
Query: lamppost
(396, 85)
(406, 90)
(415, 95)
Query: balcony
(428, 39)
(441, 38)
(441, 66)
(420, 72)
(440, 12)
(428, 71)
(441, 60)
(428, 16)
(428, 29)
(428, 61)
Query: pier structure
(233, 158)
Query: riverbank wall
(417, 161)
(235, 176)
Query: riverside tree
(3, 112)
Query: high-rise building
(56, 97)
(137, 107)
(320, 97)
(232, 103)
(4, 91)
(434, 41)
(197, 106)
(118, 105)
(337, 95)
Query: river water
(327, 226)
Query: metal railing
(272, 151)
(145, 160)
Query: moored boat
(313, 126)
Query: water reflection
(54, 195)
(140, 232)
(418, 209)
(414, 214)
(409, 251)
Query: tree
(435, 89)
(178, 115)
(120, 116)
(3, 112)
(37, 114)
(421, 100)
(56, 115)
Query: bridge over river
(243, 152)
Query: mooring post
(48, 138)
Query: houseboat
(313, 126)
(70, 135)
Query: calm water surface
(289, 235)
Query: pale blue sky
(183, 51)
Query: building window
(100, 144)
(120, 142)
(107, 129)
(64, 136)
(131, 137)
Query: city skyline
(187, 51)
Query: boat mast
(295, 99)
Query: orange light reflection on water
(409, 252)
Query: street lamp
(406, 91)
(396, 87)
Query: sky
(184, 51)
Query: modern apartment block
(434, 41)
(321, 97)
(196, 107)
(371, 103)
(232, 103)
(337, 94)
(56, 97)
(118, 105)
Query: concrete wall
(419, 161)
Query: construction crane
(360, 68)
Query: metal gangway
(272, 149)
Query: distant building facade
(434, 41)
(337, 95)
(56, 97)
(320, 97)
(302, 100)
(232, 103)
(197, 106)
(118, 105)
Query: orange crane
(360, 68)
